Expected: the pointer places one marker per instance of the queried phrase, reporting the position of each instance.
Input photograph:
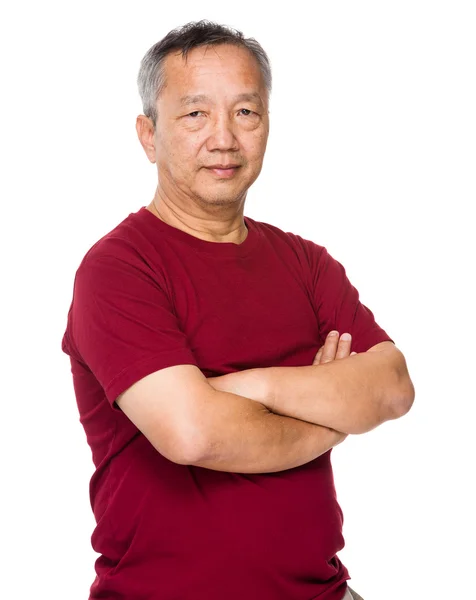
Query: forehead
(211, 67)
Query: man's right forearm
(243, 436)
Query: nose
(222, 134)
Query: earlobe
(145, 132)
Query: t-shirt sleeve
(338, 305)
(122, 322)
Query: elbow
(402, 398)
(190, 452)
(402, 393)
(184, 447)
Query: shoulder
(126, 243)
(293, 241)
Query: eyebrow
(246, 97)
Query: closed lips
(223, 166)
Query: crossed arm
(272, 419)
(350, 393)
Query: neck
(210, 229)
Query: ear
(146, 133)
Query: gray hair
(151, 78)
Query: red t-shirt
(148, 296)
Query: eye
(194, 114)
(246, 112)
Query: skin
(335, 347)
(225, 128)
(349, 392)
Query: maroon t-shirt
(148, 296)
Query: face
(212, 114)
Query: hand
(251, 383)
(335, 347)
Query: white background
(372, 153)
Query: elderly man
(192, 336)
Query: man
(192, 336)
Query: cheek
(254, 148)
(182, 151)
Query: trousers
(351, 595)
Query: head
(205, 91)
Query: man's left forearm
(352, 395)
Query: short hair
(151, 77)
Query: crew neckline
(217, 249)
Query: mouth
(224, 171)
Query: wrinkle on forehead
(206, 67)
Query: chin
(220, 197)
(221, 200)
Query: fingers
(330, 347)
(334, 348)
(317, 358)
(343, 349)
